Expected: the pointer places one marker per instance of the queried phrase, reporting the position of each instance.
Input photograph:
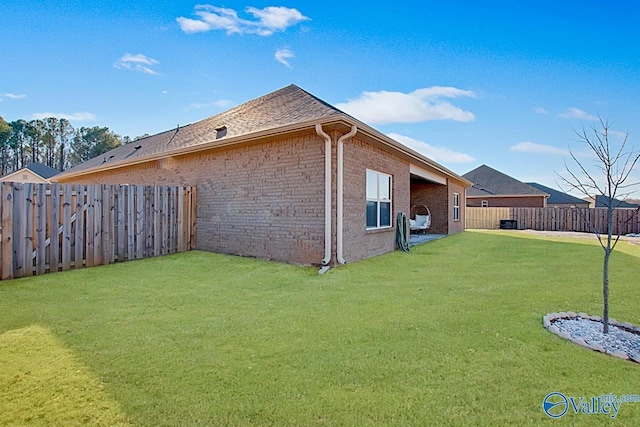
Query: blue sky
(502, 83)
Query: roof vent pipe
(327, 195)
(339, 224)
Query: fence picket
(130, 223)
(139, 215)
(66, 228)
(121, 215)
(41, 229)
(7, 230)
(165, 220)
(80, 230)
(156, 221)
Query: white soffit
(423, 173)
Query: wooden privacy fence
(555, 219)
(585, 220)
(51, 227)
(485, 218)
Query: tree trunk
(605, 292)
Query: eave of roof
(504, 196)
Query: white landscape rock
(622, 341)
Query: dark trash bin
(508, 224)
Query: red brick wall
(435, 198)
(456, 226)
(358, 242)
(507, 202)
(267, 200)
(263, 200)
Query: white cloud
(75, 117)
(137, 62)
(418, 106)
(282, 55)
(15, 96)
(532, 147)
(266, 21)
(575, 113)
(439, 154)
(540, 110)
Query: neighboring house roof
(558, 197)
(603, 202)
(43, 171)
(488, 182)
(288, 109)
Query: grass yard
(450, 334)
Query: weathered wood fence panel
(586, 220)
(51, 227)
(485, 218)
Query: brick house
(290, 178)
(558, 199)
(492, 188)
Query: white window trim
(484, 203)
(456, 206)
(378, 200)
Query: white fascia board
(423, 173)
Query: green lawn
(450, 334)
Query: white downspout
(339, 225)
(327, 198)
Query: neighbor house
(36, 173)
(558, 199)
(288, 177)
(492, 188)
(601, 201)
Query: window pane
(372, 185)
(372, 214)
(385, 187)
(385, 214)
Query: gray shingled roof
(43, 170)
(287, 106)
(558, 197)
(603, 202)
(489, 182)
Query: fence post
(7, 230)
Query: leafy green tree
(91, 142)
(5, 149)
(18, 142)
(65, 135)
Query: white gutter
(327, 198)
(339, 226)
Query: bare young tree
(608, 177)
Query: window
(378, 200)
(485, 203)
(456, 206)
